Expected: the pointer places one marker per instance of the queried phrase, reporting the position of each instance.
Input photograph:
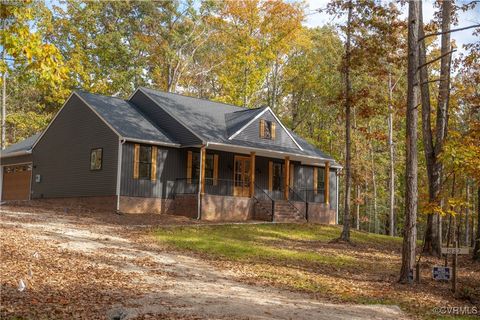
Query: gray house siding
(252, 133)
(62, 156)
(171, 164)
(15, 160)
(163, 120)
(333, 189)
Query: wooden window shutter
(270, 175)
(273, 128)
(262, 128)
(153, 175)
(136, 161)
(215, 169)
(315, 180)
(189, 167)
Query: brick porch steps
(287, 212)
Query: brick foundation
(224, 208)
(146, 205)
(319, 213)
(186, 205)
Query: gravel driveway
(109, 270)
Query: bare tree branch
(436, 59)
(449, 31)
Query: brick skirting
(319, 213)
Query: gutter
(16, 153)
(332, 161)
(152, 142)
(119, 171)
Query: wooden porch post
(287, 176)
(327, 182)
(202, 169)
(252, 174)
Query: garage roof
(20, 148)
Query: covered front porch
(225, 183)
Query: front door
(241, 177)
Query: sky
(468, 18)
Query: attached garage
(16, 182)
(16, 170)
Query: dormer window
(267, 129)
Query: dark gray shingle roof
(215, 121)
(24, 145)
(125, 118)
(205, 118)
(234, 121)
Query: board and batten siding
(62, 156)
(171, 164)
(163, 120)
(252, 133)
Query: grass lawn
(300, 257)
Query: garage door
(16, 182)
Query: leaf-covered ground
(301, 257)
(87, 265)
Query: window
(145, 162)
(277, 178)
(208, 167)
(267, 129)
(96, 156)
(321, 180)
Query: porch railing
(219, 187)
(310, 195)
(294, 195)
(264, 200)
(186, 186)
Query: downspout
(199, 196)
(121, 141)
(337, 191)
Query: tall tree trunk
(4, 90)
(467, 214)
(374, 187)
(434, 166)
(348, 157)
(476, 249)
(391, 182)
(411, 172)
(472, 229)
(357, 206)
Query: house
(162, 152)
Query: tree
(256, 37)
(411, 193)
(348, 157)
(27, 53)
(433, 141)
(476, 249)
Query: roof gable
(235, 121)
(250, 130)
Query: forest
(392, 97)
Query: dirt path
(172, 285)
